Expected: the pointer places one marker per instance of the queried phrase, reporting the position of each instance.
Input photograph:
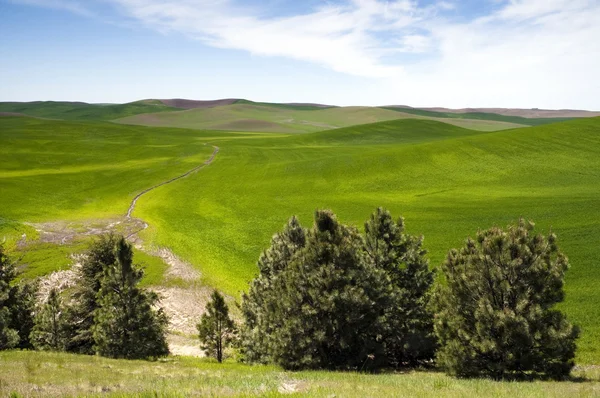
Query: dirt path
(184, 305)
(145, 191)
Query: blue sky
(485, 53)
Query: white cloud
(524, 53)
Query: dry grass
(50, 374)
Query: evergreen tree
(22, 305)
(324, 303)
(408, 324)
(216, 330)
(496, 315)
(125, 322)
(260, 321)
(50, 328)
(80, 312)
(9, 336)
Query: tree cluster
(106, 314)
(17, 304)
(495, 315)
(330, 297)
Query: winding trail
(145, 191)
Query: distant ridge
(204, 104)
(194, 104)
(518, 112)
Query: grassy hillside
(83, 111)
(447, 182)
(51, 374)
(446, 188)
(56, 170)
(246, 116)
(479, 116)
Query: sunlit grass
(52, 374)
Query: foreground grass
(53, 374)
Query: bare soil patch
(64, 232)
(249, 125)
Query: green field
(249, 116)
(55, 170)
(83, 111)
(447, 181)
(478, 116)
(45, 375)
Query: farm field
(445, 180)
(49, 374)
(249, 116)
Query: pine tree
(9, 337)
(216, 330)
(50, 328)
(22, 305)
(322, 307)
(260, 321)
(496, 315)
(408, 324)
(80, 312)
(125, 323)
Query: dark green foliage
(50, 330)
(99, 257)
(407, 325)
(260, 302)
(22, 306)
(322, 305)
(16, 306)
(9, 337)
(125, 323)
(216, 330)
(496, 316)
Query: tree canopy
(496, 314)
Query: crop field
(446, 180)
(246, 116)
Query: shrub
(496, 315)
(407, 324)
(318, 299)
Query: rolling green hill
(478, 116)
(56, 170)
(83, 111)
(445, 180)
(446, 188)
(247, 116)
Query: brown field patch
(192, 104)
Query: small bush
(496, 315)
